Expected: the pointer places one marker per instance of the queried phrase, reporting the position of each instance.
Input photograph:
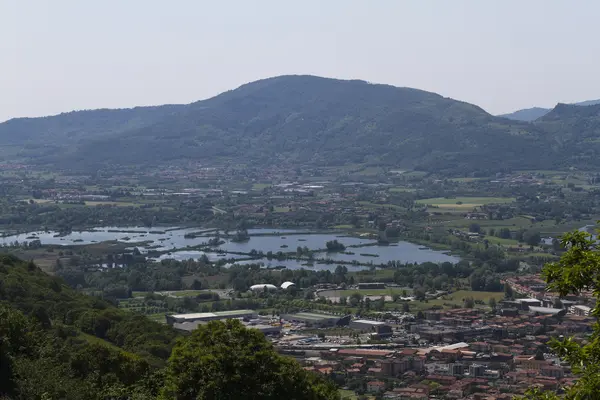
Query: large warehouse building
(376, 328)
(210, 316)
(312, 319)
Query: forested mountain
(575, 129)
(56, 343)
(527, 114)
(292, 120)
(531, 114)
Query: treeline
(64, 219)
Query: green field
(401, 190)
(348, 394)
(177, 293)
(455, 299)
(345, 226)
(368, 204)
(464, 202)
(110, 203)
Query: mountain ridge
(531, 114)
(291, 120)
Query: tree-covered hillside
(58, 344)
(293, 120)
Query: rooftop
(231, 313)
(313, 316)
(366, 321)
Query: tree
(469, 302)
(532, 238)
(225, 360)
(196, 285)
(475, 228)
(492, 303)
(508, 292)
(578, 269)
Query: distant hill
(290, 120)
(527, 114)
(531, 114)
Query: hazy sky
(61, 55)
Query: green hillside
(56, 343)
(296, 120)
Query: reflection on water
(285, 240)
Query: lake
(265, 239)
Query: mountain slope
(576, 129)
(57, 343)
(531, 114)
(527, 114)
(289, 120)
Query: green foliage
(298, 119)
(225, 360)
(578, 270)
(57, 343)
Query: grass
(110, 203)
(96, 340)
(452, 300)
(343, 226)
(466, 201)
(348, 394)
(281, 209)
(188, 293)
(485, 296)
(401, 190)
(371, 171)
(368, 204)
(505, 242)
(176, 293)
(464, 180)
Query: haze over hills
(298, 120)
(531, 114)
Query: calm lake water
(404, 251)
(286, 240)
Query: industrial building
(274, 330)
(263, 286)
(286, 285)
(312, 319)
(376, 328)
(210, 316)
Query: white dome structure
(268, 286)
(286, 285)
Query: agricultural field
(452, 300)
(401, 190)
(464, 203)
(347, 394)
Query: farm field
(464, 202)
(347, 394)
(454, 299)
(175, 293)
